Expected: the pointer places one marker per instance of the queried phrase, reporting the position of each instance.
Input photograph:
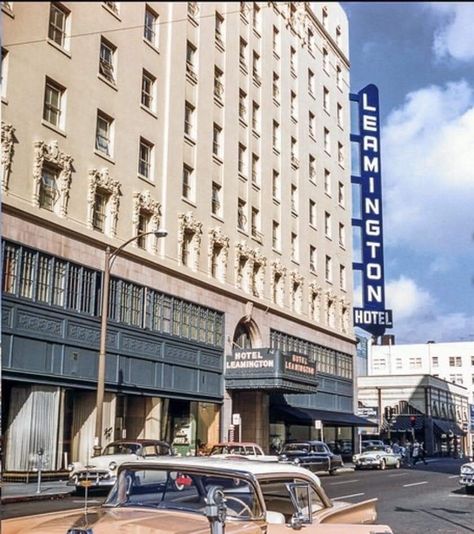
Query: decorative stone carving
(50, 153)
(218, 239)
(345, 307)
(258, 274)
(315, 301)
(278, 282)
(101, 180)
(296, 280)
(189, 225)
(244, 10)
(8, 149)
(330, 308)
(243, 265)
(144, 203)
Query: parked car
(238, 496)
(314, 455)
(467, 477)
(101, 471)
(251, 451)
(366, 443)
(376, 456)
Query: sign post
(318, 425)
(237, 421)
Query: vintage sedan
(242, 496)
(101, 471)
(467, 477)
(378, 457)
(314, 455)
(251, 451)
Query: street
(412, 501)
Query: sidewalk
(21, 492)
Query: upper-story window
(145, 159)
(313, 259)
(276, 40)
(243, 105)
(327, 182)
(48, 191)
(276, 87)
(310, 40)
(113, 6)
(276, 186)
(189, 119)
(455, 361)
(276, 135)
(312, 213)
(341, 194)
(191, 59)
(58, 24)
(294, 198)
(242, 159)
(4, 73)
(148, 91)
(325, 16)
(328, 269)
(311, 83)
(99, 215)
(255, 117)
(53, 111)
(293, 106)
(275, 235)
(257, 17)
(216, 199)
(312, 124)
(219, 29)
(256, 67)
(103, 136)
(241, 217)
(293, 61)
(338, 35)
(150, 32)
(340, 116)
(218, 85)
(312, 168)
(327, 224)
(325, 60)
(243, 53)
(326, 99)
(338, 77)
(342, 235)
(217, 141)
(255, 169)
(327, 141)
(340, 154)
(294, 247)
(107, 60)
(188, 182)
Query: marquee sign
(267, 368)
(372, 316)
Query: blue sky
(421, 56)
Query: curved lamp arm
(116, 252)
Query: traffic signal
(412, 420)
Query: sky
(421, 57)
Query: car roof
(138, 442)
(309, 441)
(236, 444)
(238, 465)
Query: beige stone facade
(226, 123)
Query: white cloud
(406, 299)
(428, 169)
(454, 36)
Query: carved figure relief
(344, 316)
(101, 180)
(330, 309)
(296, 281)
(258, 276)
(278, 282)
(8, 149)
(315, 301)
(143, 203)
(49, 153)
(218, 253)
(189, 234)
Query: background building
(228, 125)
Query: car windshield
(297, 447)
(228, 449)
(379, 448)
(186, 491)
(122, 448)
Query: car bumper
(368, 463)
(93, 480)
(467, 480)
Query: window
(149, 29)
(276, 185)
(326, 99)
(255, 117)
(48, 192)
(342, 277)
(327, 141)
(293, 61)
(142, 228)
(276, 40)
(255, 222)
(276, 87)
(310, 40)
(216, 141)
(191, 60)
(4, 73)
(340, 154)
(294, 150)
(58, 18)
(103, 135)
(241, 217)
(311, 83)
(294, 246)
(189, 119)
(107, 59)
(145, 159)
(242, 159)
(216, 199)
(294, 198)
(338, 77)
(341, 195)
(53, 101)
(293, 105)
(435, 361)
(256, 67)
(340, 120)
(325, 60)
(313, 264)
(414, 362)
(243, 105)
(218, 85)
(188, 185)
(328, 268)
(327, 182)
(455, 361)
(243, 53)
(193, 11)
(312, 213)
(219, 29)
(255, 169)
(312, 168)
(327, 224)
(342, 235)
(338, 35)
(275, 235)
(100, 210)
(472, 360)
(256, 17)
(325, 17)
(312, 124)
(113, 6)
(276, 136)
(148, 91)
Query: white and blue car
(466, 478)
(377, 457)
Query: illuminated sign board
(372, 316)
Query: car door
(321, 456)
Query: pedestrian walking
(415, 453)
(422, 453)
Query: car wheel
(469, 489)
(398, 464)
(332, 471)
(356, 467)
(383, 465)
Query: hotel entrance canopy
(272, 370)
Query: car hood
(123, 521)
(103, 462)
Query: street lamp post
(109, 260)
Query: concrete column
(253, 407)
(429, 436)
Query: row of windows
(50, 280)
(327, 360)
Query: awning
(309, 415)
(444, 427)
(402, 423)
